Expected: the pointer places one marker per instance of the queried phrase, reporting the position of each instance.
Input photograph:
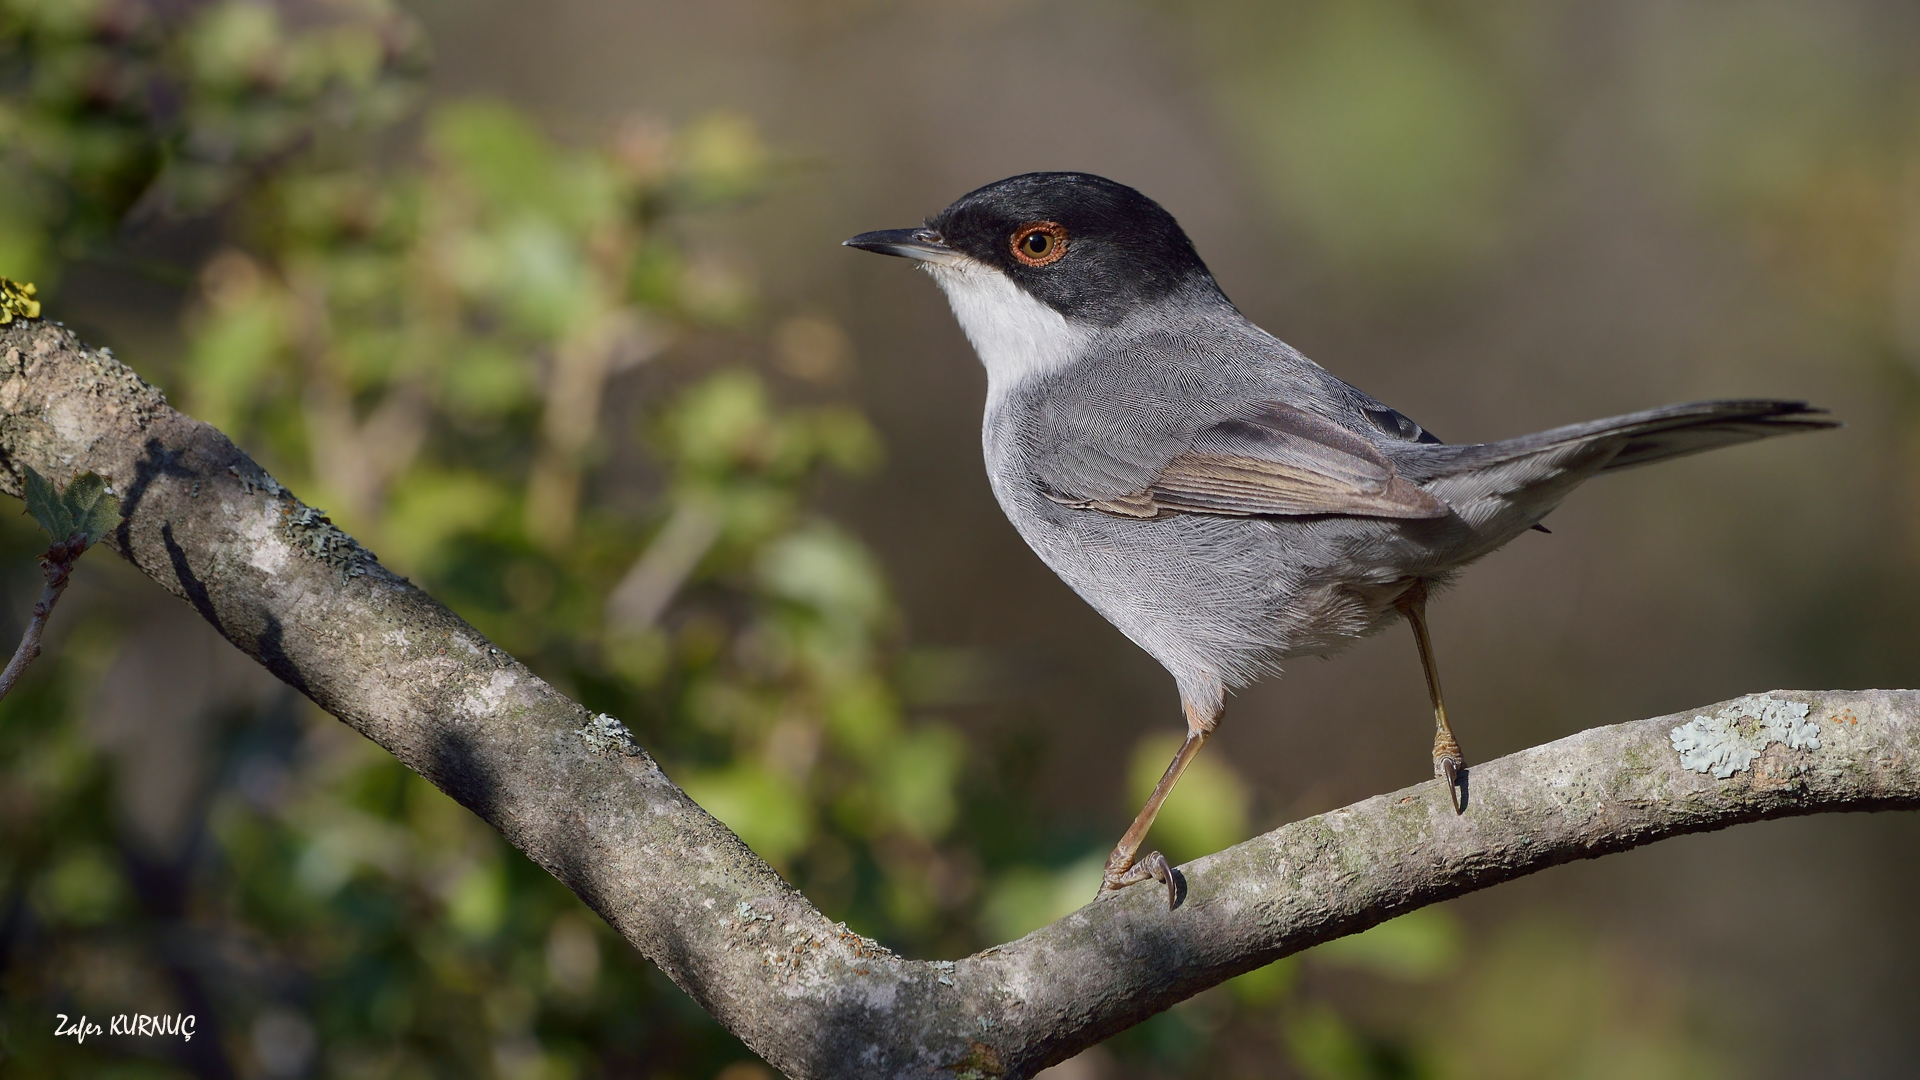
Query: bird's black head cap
(1082, 244)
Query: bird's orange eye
(1038, 243)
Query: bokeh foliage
(119, 107)
(421, 336)
(1380, 128)
(417, 315)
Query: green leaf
(43, 502)
(90, 509)
(919, 780)
(84, 507)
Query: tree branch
(57, 565)
(577, 795)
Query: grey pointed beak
(924, 245)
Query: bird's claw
(1154, 866)
(1450, 770)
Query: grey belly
(1229, 598)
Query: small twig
(57, 564)
(664, 567)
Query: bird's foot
(1452, 772)
(1123, 871)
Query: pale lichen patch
(485, 700)
(1727, 741)
(605, 734)
(254, 478)
(266, 551)
(312, 532)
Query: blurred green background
(543, 302)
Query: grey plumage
(1223, 500)
(1221, 600)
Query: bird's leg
(1447, 762)
(1122, 869)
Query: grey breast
(1212, 597)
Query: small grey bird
(1220, 498)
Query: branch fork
(810, 996)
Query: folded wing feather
(1278, 460)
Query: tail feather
(1641, 438)
(1511, 484)
(1730, 427)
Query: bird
(1225, 502)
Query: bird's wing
(1273, 459)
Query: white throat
(1017, 336)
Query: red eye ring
(1039, 243)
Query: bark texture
(579, 796)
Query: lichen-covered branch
(815, 999)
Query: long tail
(1518, 480)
